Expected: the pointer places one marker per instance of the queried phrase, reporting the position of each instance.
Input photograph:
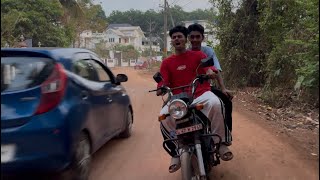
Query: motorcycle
(198, 152)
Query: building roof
(117, 32)
(118, 25)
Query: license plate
(7, 153)
(189, 129)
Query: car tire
(80, 166)
(128, 129)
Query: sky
(143, 5)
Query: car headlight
(178, 109)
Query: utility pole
(150, 40)
(170, 15)
(165, 29)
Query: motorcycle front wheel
(189, 167)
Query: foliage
(240, 47)
(293, 62)
(101, 50)
(53, 23)
(271, 44)
(142, 19)
(128, 52)
(82, 15)
(36, 19)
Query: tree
(139, 18)
(128, 52)
(293, 61)
(271, 44)
(81, 15)
(36, 19)
(101, 50)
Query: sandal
(225, 153)
(174, 165)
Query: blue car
(58, 106)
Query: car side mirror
(207, 62)
(157, 77)
(121, 78)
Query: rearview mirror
(121, 78)
(157, 77)
(207, 62)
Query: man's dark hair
(196, 27)
(179, 28)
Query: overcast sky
(143, 5)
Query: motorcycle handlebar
(169, 90)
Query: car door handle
(84, 95)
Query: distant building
(155, 45)
(124, 34)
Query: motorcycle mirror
(207, 62)
(157, 77)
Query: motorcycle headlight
(178, 109)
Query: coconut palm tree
(75, 16)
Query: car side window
(84, 69)
(102, 75)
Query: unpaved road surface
(259, 152)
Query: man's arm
(210, 52)
(165, 76)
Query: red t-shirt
(180, 70)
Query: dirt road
(259, 153)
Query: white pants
(213, 109)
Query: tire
(189, 167)
(186, 167)
(80, 165)
(128, 130)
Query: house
(155, 45)
(209, 30)
(124, 34)
(89, 39)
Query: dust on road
(258, 152)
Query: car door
(93, 92)
(113, 115)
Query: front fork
(198, 150)
(200, 158)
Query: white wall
(124, 64)
(133, 62)
(110, 62)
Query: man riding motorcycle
(178, 70)
(195, 37)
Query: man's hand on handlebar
(159, 92)
(212, 74)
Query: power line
(186, 4)
(175, 2)
(170, 15)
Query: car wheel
(80, 165)
(128, 130)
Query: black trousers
(227, 106)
